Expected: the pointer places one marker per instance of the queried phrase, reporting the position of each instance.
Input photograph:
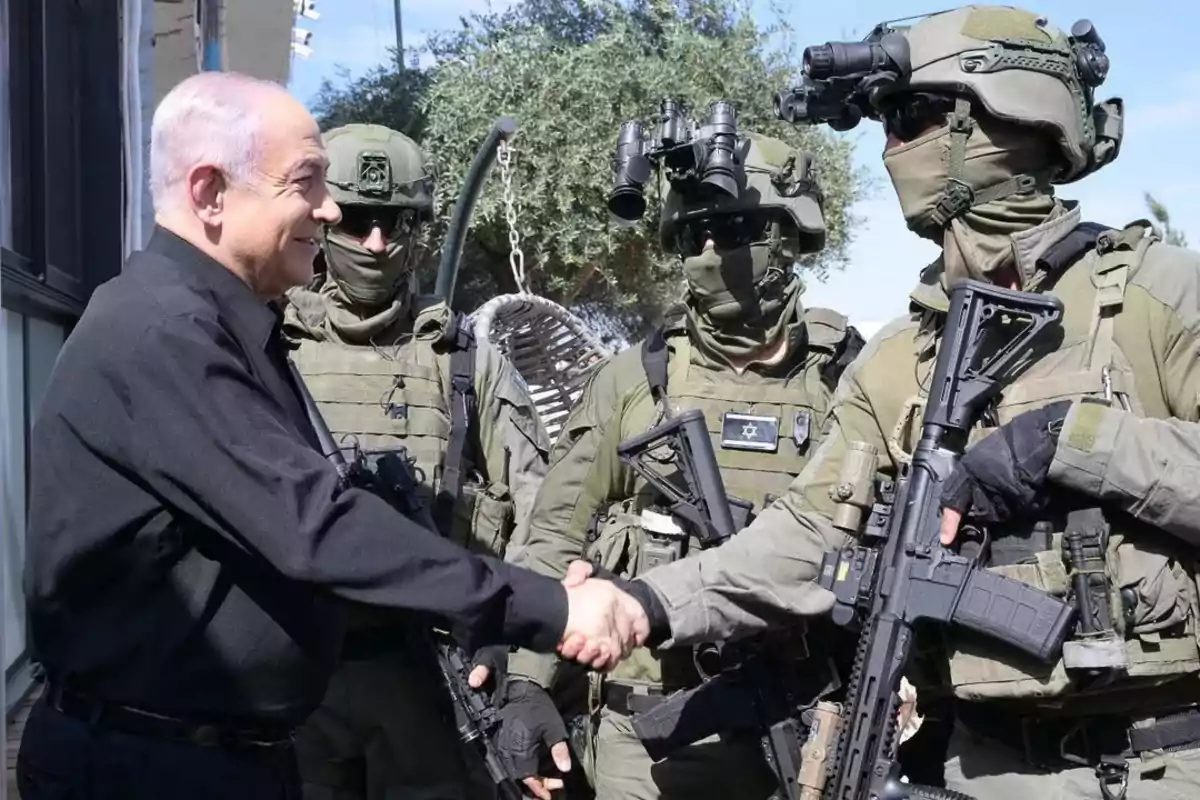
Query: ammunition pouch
(629, 543)
(1152, 594)
(613, 537)
(484, 518)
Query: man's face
(272, 224)
(912, 116)
(375, 227)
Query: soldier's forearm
(1147, 467)
(761, 578)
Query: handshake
(604, 623)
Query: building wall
(60, 235)
(257, 38)
(254, 37)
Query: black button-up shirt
(186, 536)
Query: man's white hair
(209, 118)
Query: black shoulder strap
(848, 350)
(1066, 250)
(463, 421)
(654, 363)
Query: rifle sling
(463, 423)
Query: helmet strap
(958, 197)
(774, 260)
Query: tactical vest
(416, 398)
(763, 434)
(1153, 577)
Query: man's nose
(375, 242)
(327, 212)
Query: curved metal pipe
(460, 219)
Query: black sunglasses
(393, 223)
(914, 115)
(727, 232)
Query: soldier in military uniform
(741, 348)
(997, 108)
(398, 376)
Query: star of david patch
(749, 432)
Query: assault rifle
(392, 478)
(755, 686)
(900, 573)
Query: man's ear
(206, 193)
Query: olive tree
(1163, 217)
(570, 72)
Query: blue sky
(1159, 154)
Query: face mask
(729, 310)
(723, 285)
(978, 241)
(918, 173)
(366, 278)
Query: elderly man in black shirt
(189, 549)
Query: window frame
(66, 156)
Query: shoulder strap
(654, 363)
(829, 332)
(848, 350)
(1118, 255)
(1068, 249)
(463, 420)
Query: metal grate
(551, 348)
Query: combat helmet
(1020, 69)
(776, 179)
(371, 165)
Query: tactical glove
(530, 726)
(1002, 476)
(495, 659)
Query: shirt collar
(257, 321)
(1029, 247)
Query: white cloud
(870, 327)
(1183, 109)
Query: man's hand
(486, 661)
(604, 624)
(1002, 476)
(490, 664)
(529, 725)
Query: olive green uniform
(1132, 326)
(386, 708)
(393, 376)
(985, 109)
(591, 506)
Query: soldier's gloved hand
(490, 664)
(1002, 476)
(530, 726)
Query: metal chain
(516, 257)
